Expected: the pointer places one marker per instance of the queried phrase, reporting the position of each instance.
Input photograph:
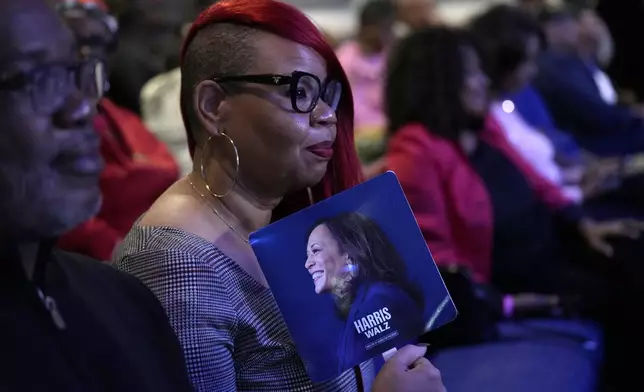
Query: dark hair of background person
(425, 80)
(371, 250)
(376, 12)
(502, 33)
(149, 40)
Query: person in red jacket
(482, 207)
(138, 167)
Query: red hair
(344, 170)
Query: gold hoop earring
(203, 168)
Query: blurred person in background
(509, 38)
(437, 102)
(68, 323)
(483, 207)
(162, 115)
(138, 168)
(577, 95)
(511, 42)
(415, 15)
(462, 230)
(269, 117)
(364, 59)
(149, 40)
(585, 33)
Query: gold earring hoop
(203, 168)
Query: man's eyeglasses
(305, 89)
(50, 84)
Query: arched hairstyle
(502, 33)
(287, 22)
(367, 245)
(425, 82)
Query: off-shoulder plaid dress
(233, 335)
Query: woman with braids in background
(269, 116)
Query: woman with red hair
(269, 116)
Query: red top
(449, 199)
(138, 169)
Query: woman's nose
(323, 115)
(309, 263)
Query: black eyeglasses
(305, 89)
(49, 85)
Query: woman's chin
(320, 287)
(314, 174)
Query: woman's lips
(323, 150)
(316, 275)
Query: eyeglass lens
(51, 84)
(307, 93)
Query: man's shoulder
(101, 283)
(129, 314)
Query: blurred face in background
(475, 84)
(378, 36)
(595, 40)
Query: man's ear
(208, 101)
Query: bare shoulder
(178, 207)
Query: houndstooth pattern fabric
(233, 335)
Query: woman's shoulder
(163, 254)
(159, 241)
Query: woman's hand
(409, 371)
(598, 233)
(600, 176)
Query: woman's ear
(208, 99)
